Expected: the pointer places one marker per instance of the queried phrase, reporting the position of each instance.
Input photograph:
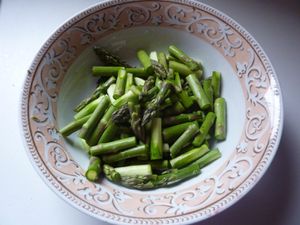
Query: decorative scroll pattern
(253, 152)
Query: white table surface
(26, 199)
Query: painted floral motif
(128, 206)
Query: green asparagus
(144, 125)
(94, 169)
(184, 139)
(220, 111)
(113, 146)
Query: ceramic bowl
(60, 76)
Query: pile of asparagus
(150, 126)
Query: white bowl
(61, 75)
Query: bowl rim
(103, 4)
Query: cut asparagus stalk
(182, 118)
(207, 87)
(129, 96)
(105, 70)
(120, 85)
(94, 169)
(173, 132)
(153, 56)
(188, 157)
(180, 68)
(102, 124)
(110, 92)
(208, 158)
(90, 124)
(73, 126)
(145, 61)
(162, 60)
(113, 146)
(156, 146)
(129, 82)
(184, 58)
(137, 71)
(216, 83)
(220, 126)
(185, 99)
(198, 92)
(204, 129)
(129, 153)
(88, 109)
(184, 139)
(113, 70)
(177, 80)
(139, 81)
(134, 170)
(109, 133)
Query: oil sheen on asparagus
(152, 125)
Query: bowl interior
(78, 82)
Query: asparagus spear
(101, 89)
(180, 68)
(129, 96)
(134, 170)
(184, 58)
(216, 83)
(156, 146)
(184, 139)
(113, 70)
(153, 56)
(136, 121)
(90, 124)
(182, 118)
(129, 153)
(106, 70)
(185, 99)
(129, 82)
(204, 129)
(113, 146)
(122, 115)
(177, 80)
(145, 61)
(198, 92)
(188, 157)
(139, 81)
(207, 87)
(88, 109)
(177, 175)
(109, 59)
(137, 71)
(220, 111)
(109, 133)
(154, 106)
(100, 127)
(149, 83)
(73, 126)
(111, 173)
(94, 169)
(120, 85)
(208, 158)
(159, 70)
(173, 132)
(149, 181)
(110, 92)
(162, 60)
